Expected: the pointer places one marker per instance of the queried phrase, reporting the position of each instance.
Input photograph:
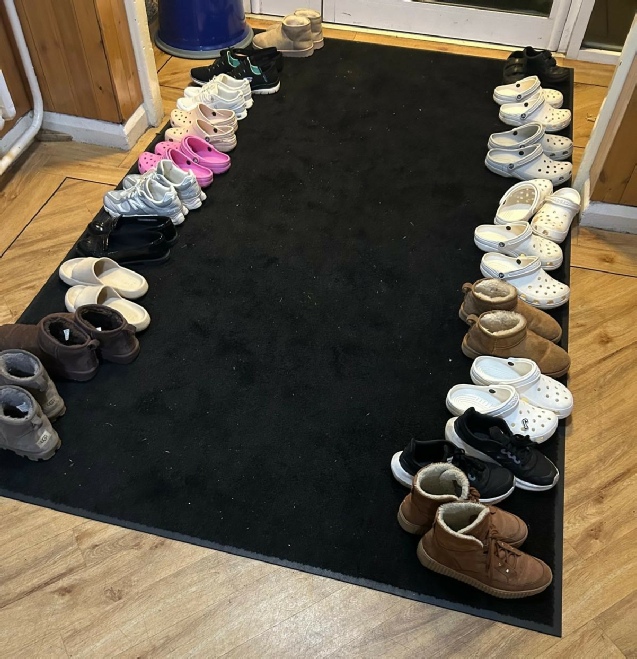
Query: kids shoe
(22, 369)
(440, 483)
(505, 334)
(149, 198)
(494, 483)
(488, 438)
(466, 544)
(543, 64)
(24, 428)
(292, 37)
(315, 25)
(497, 295)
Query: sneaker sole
(268, 90)
(434, 566)
(399, 473)
(453, 437)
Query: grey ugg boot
(24, 429)
(22, 369)
(315, 24)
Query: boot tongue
(449, 478)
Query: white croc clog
(517, 239)
(218, 118)
(555, 147)
(503, 401)
(525, 88)
(534, 286)
(91, 271)
(535, 108)
(525, 376)
(134, 313)
(523, 200)
(526, 164)
(554, 218)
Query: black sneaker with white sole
(230, 58)
(263, 79)
(490, 439)
(494, 483)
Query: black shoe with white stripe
(492, 481)
(263, 79)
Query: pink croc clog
(203, 174)
(205, 154)
(147, 161)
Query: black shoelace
(471, 466)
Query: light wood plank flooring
(72, 587)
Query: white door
(514, 22)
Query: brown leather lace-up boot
(497, 295)
(505, 334)
(440, 483)
(465, 545)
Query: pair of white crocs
(514, 390)
(103, 281)
(512, 235)
(525, 101)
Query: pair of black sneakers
(494, 459)
(532, 62)
(260, 67)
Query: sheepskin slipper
(503, 401)
(534, 286)
(505, 334)
(525, 375)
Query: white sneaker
(230, 84)
(150, 197)
(216, 97)
(169, 175)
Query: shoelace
(518, 448)
(499, 553)
(472, 467)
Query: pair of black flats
(129, 239)
(532, 62)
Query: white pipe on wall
(38, 108)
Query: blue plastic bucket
(199, 29)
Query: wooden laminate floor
(73, 587)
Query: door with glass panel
(516, 22)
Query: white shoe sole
(270, 90)
(399, 473)
(452, 436)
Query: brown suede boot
(117, 340)
(463, 544)
(441, 482)
(495, 294)
(63, 348)
(505, 334)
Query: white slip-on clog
(135, 314)
(537, 109)
(517, 239)
(525, 273)
(218, 118)
(525, 376)
(91, 271)
(523, 200)
(526, 164)
(554, 218)
(504, 402)
(525, 88)
(555, 147)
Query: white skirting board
(104, 133)
(12, 136)
(612, 217)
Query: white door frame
(573, 36)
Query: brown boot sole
(405, 525)
(467, 351)
(433, 565)
(463, 316)
(35, 458)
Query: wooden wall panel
(12, 71)
(120, 54)
(616, 181)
